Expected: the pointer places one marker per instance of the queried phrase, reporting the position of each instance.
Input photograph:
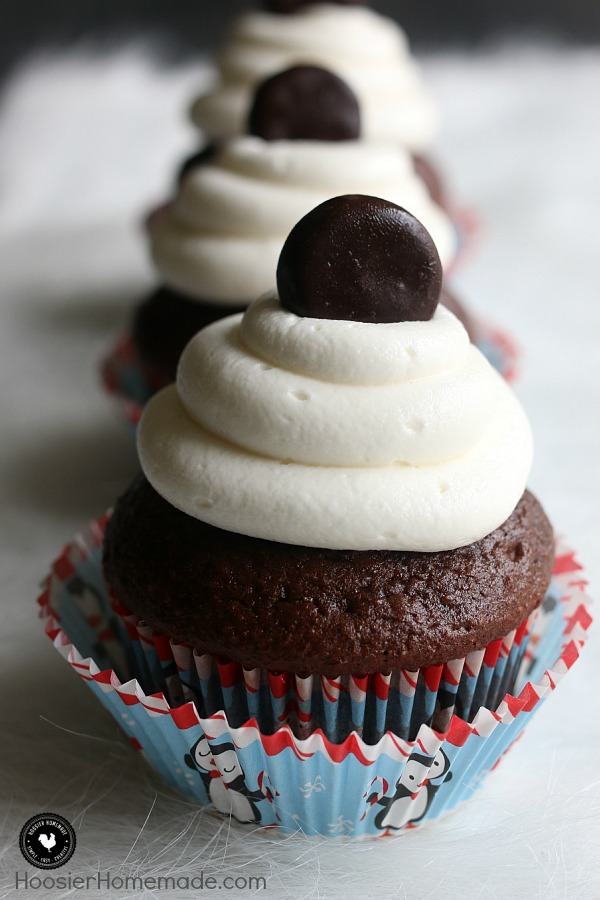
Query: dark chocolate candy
(291, 6)
(304, 103)
(360, 258)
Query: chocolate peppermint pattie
(362, 259)
(305, 103)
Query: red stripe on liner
(278, 684)
(128, 699)
(529, 697)
(515, 705)
(407, 676)
(566, 563)
(492, 652)
(380, 684)
(185, 716)
(229, 672)
(459, 732)
(163, 646)
(63, 567)
(570, 654)
(449, 677)
(522, 631)
(580, 617)
(432, 676)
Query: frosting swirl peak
(338, 434)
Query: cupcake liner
(499, 348)
(291, 771)
(122, 377)
(468, 228)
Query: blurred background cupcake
(216, 244)
(204, 243)
(369, 51)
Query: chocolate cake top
(305, 609)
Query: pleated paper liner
(420, 745)
(468, 227)
(122, 377)
(369, 705)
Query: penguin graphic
(438, 774)
(225, 783)
(414, 791)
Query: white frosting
(338, 434)
(367, 50)
(221, 238)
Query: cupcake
(216, 245)
(331, 565)
(369, 51)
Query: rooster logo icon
(47, 842)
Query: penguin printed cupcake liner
(283, 766)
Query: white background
(86, 145)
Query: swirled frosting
(370, 52)
(338, 434)
(221, 238)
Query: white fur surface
(86, 143)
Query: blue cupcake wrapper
(273, 749)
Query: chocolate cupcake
(335, 486)
(369, 51)
(320, 593)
